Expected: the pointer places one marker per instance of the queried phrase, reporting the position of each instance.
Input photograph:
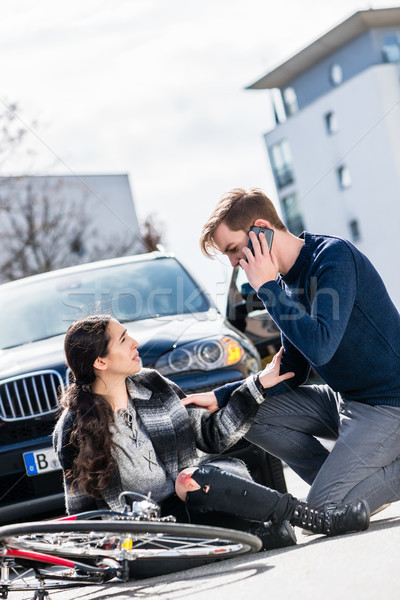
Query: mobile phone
(269, 236)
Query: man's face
(230, 243)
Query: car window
(129, 292)
(245, 292)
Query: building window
(355, 231)
(344, 177)
(336, 74)
(278, 106)
(391, 48)
(292, 214)
(331, 123)
(290, 101)
(281, 160)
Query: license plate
(41, 461)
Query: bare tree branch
(42, 229)
(151, 233)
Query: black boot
(334, 520)
(274, 535)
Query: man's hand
(270, 375)
(205, 400)
(262, 266)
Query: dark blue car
(180, 333)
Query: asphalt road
(356, 566)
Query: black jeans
(228, 500)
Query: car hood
(155, 336)
(44, 354)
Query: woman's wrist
(259, 384)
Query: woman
(125, 428)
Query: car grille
(30, 395)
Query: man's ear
(262, 223)
(99, 364)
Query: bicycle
(93, 548)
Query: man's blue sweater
(336, 316)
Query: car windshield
(129, 292)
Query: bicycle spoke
(101, 550)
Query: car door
(247, 313)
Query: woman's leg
(218, 489)
(209, 488)
(272, 535)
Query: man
(335, 316)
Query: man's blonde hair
(238, 209)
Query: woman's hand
(205, 400)
(270, 375)
(268, 378)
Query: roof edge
(335, 38)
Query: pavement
(354, 566)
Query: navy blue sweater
(335, 315)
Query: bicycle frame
(48, 559)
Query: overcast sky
(155, 88)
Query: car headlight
(203, 355)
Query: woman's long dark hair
(86, 340)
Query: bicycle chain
(166, 519)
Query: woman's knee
(185, 483)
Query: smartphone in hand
(269, 236)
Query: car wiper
(10, 347)
(143, 318)
(47, 337)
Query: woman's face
(123, 356)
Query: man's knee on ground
(185, 483)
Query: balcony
(284, 177)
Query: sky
(155, 89)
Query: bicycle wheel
(128, 540)
(151, 548)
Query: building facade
(65, 220)
(335, 147)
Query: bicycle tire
(151, 548)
